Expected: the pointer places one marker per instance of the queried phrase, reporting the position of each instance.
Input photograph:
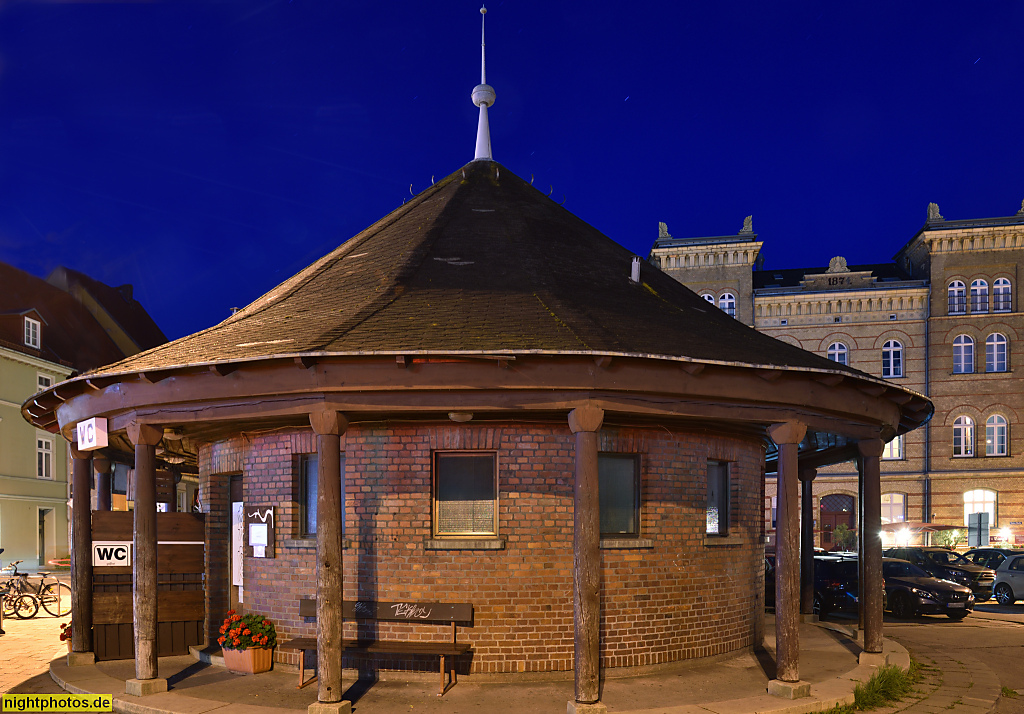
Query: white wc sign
(108, 553)
(92, 434)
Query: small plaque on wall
(259, 531)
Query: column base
(875, 659)
(145, 687)
(342, 707)
(574, 707)
(789, 690)
(804, 617)
(81, 659)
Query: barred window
(465, 494)
(979, 296)
(1002, 296)
(727, 303)
(957, 292)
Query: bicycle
(55, 597)
(17, 604)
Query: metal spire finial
(483, 97)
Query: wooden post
(329, 426)
(101, 465)
(807, 540)
(584, 422)
(144, 576)
(871, 602)
(81, 551)
(787, 547)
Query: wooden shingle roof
(481, 262)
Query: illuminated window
(980, 500)
(837, 352)
(995, 353)
(963, 355)
(465, 494)
(957, 292)
(995, 436)
(718, 498)
(979, 296)
(963, 436)
(892, 359)
(708, 297)
(894, 449)
(894, 507)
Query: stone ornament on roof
(838, 265)
(663, 231)
(748, 225)
(933, 213)
(1021, 211)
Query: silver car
(1009, 585)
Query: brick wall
(676, 599)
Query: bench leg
(441, 692)
(302, 671)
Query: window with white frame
(963, 436)
(44, 458)
(32, 333)
(893, 450)
(995, 435)
(465, 494)
(708, 297)
(727, 304)
(995, 353)
(43, 382)
(892, 359)
(957, 292)
(980, 500)
(963, 355)
(837, 352)
(1001, 296)
(979, 296)
(894, 507)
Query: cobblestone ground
(26, 651)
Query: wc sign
(108, 553)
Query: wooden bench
(408, 612)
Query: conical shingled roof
(481, 262)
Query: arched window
(963, 355)
(963, 436)
(980, 500)
(709, 297)
(1001, 296)
(995, 353)
(979, 296)
(957, 298)
(837, 352)
(995, 436)
(892, 359)
(894, 507)
(727, 303)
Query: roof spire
(483, 97)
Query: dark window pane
(308, 475)
(466, 493)
(718, 498)
(618, 494)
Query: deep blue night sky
(205, 151)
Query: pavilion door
(236, 586)
(836, 509)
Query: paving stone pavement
(28, 647)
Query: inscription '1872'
(411, 610)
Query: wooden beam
(306, 362)
(692, 368)
(403, 361)
(829, 380)
(602, 361)
(769, 375)
(872, 390)
(154, 376)
(223, 369)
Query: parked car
(910, 591)
(835, 584)
(1009, 586)
(949, 565)
(990, 557)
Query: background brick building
(941, 319)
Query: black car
(912, 591)
(949, 565)
(835, 584)
(990, 557)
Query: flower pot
(250, 661)
(69, 645)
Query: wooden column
(144, 576)
(871, 602)
(584, 422)
(787, 547)
(81, 551)
(807, 540)
(104, 485)
(329, 426)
